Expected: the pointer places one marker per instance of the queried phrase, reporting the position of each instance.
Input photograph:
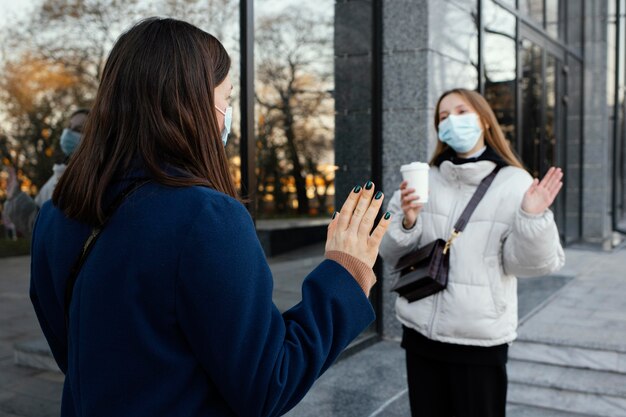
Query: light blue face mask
(460, 132)
(69, 141)
(228, 120)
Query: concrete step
(575, 390)
(575, 404)
(516, 410)
(35, 354)
(583, 357)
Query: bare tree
(54, 58)
(294, 77)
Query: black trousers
(444, 389)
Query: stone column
(596, 141)
(353, 95)
(429, 46)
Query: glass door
(542, 108)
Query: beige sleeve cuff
(363, 274)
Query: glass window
(621, 163)
(552, 122)
(295, 129)
(553, 139)
(455, 38)
(619, 111)
(572, 149)
(574, 24)
(531, 89)
(553, 18)
(510, 3)
(294, 109)
(533, 9)
(499, 56)
(612, 55)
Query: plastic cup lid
(414, 165)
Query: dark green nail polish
(334, 215)
(378, 195)
(387, 216)
(357, 188)
(369, 185)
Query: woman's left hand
(541, 195)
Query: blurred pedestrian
(19, 207)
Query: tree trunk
(303, 201)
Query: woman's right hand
(349, 231)
(410, 206)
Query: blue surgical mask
(69, 141)
(228, 120)
(460, 132)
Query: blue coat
(172, 313)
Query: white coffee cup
(416, 174)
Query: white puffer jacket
(479, 306)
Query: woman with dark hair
(456, 340)
(168, 309)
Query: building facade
(553, 71)
(334, 93)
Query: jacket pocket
(492, 264)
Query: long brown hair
(494, 137)
(155, 107)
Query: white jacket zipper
(438, 295)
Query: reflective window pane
(550, 139)
(553, 133)
(531, 89)
(617, 22)
(573, 24)
(553, 18)
(611, 56)
(500, 65)
(510, 3)
(573, 170)
(294, 109)
(533, 9)
(621, 173)
(294, 112)
(455, 38)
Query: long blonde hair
(494, 137)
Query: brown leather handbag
(424, 272)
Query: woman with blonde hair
(456, 340)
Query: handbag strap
(471, 206)
(91, 240)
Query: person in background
(20, 208)
(9, 228)
(456, 340)
(171, 313)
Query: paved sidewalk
(591, 310)
(24, 392)
(591, 307)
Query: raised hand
(541, 195)
(410, 205)
(351, 229)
